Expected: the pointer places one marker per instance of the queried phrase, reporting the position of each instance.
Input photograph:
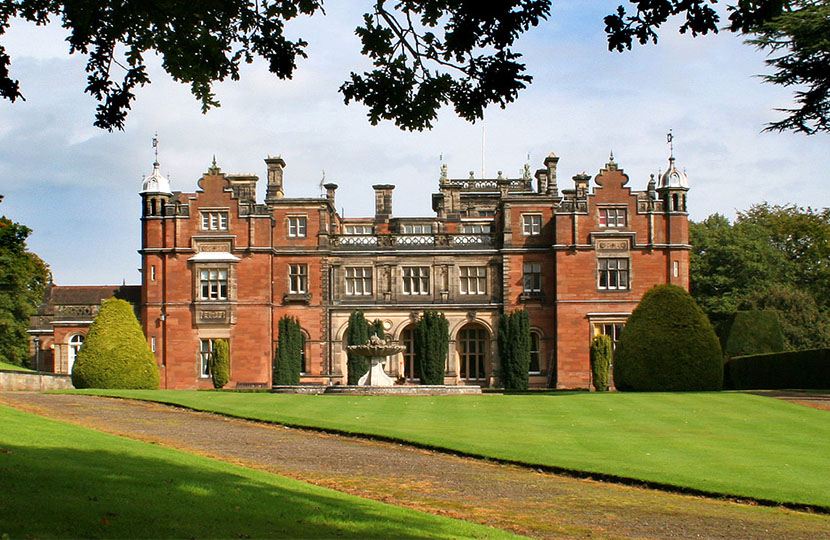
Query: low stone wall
(407, 390)
(33, 381)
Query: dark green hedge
(754, 331)
(356, 334)
(601, 352)
(791, 369)
(289, 358)
(668, 345)
(514, 349)
(220, 364)
(432, 341)
(115, 353)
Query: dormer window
(417, 228)
(215, 221)
(613, 217)
(358, 229)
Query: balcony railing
(411, 241)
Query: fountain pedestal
(378, 350)
(376, 376)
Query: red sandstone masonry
(259, 295)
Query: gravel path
(521, 500)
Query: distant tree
(514, 349)
(780, 250)
(600, 362)
(115, 353)
(729, 262)
(432, 341)
(23, 280)
(804, 326)
(220, 364)
(424, 54)
(755, 331)
(357, 334)
(668, 345)
(289, 358)
(802, 236)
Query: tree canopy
(772, 257)
(425, 53)
(23, 280)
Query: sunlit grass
(12, 367)
(63, 481)
(727, 443)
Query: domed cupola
(155, 183)
(673, 184)
(155, 189)
(673, 178)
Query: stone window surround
(616, 214)
(297, 225)
(222, 225)
(472, 284)
(365, 280)
(415, 280)
(531, 224)
(297, 278)
(616, 270)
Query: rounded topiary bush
(115, 353)
(668, 344)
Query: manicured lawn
(63, 481)
(728, 443)
(12, 367)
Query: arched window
(411, 365)
(472, 352)
(535, 353)
(75, 343)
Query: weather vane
(670, 141)
(156, 145)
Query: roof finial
(611, 157)
(214, 161)
(670, 141)
(156, 148)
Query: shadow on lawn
(60, 492)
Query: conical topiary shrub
(115, 353)
(220, 364)
(668, 344)
(601, 352)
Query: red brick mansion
(218, 264)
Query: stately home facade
(218, 264)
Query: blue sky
(77, 186)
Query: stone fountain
(376, 382)
(378, 351)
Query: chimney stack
(275, 171)
(330, 189)
(383, 201)
(550, 163)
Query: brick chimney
(550, 163)
(383, 201)
(275, 171)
